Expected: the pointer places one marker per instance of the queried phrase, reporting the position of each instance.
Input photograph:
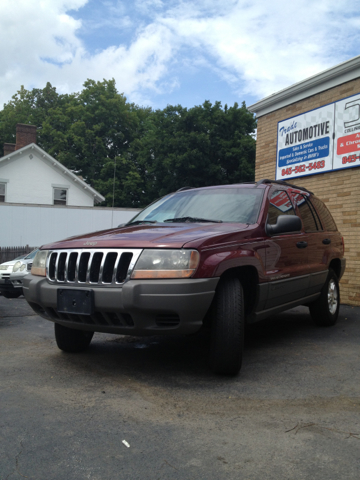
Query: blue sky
(174, 51)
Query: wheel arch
(249, 279)
(335, 265)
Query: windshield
(234, 205)
(31, 254)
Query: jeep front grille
(89, 266)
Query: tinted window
(325, 215)
(307, 214)
(280, 204)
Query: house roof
(57, 165)
(332, 77)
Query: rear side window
(308, 215)
(325, 215)
(280, 204)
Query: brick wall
(340, 189)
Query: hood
(148, 236)
(11, 262)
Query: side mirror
(285, 224)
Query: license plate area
(80, 302)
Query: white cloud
(258, 48)
(270, 46)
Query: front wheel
(12, 294)
(70, 340)
(325, 310)
(227, 328)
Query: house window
(2, 192)
(60, 196)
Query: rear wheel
(70, 340)
(325, 310)
(227, 328)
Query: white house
(30, 175)
(41, 201)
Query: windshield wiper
(137, 222)
(191, 220)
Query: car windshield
(230, 204)
(31, 254)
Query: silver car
(6, 287)
(21, 268)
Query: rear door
(315, 238)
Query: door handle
(326, 241)
(301, 244)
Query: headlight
(16, 266)
(22, 268)
(39, 263)
(4, 267)
(166, 264)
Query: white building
(29, 175)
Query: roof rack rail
(184, 188)
(281, 182)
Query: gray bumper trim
(144, 302)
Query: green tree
(31, 107)
(200, 146)
(133, 155)
(91, 129)
(84, 131)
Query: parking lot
(149, 408)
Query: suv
(218, 257)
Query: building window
(2, 192)
(60, 196)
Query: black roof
(282, 182)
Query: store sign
(319, 141)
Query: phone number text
(303, 168)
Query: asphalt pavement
(149, 408)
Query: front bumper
(139, 307)
(17, 279)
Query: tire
(70, 340)
(325, 310)
(227, 328)
(12, 294)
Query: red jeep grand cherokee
(217, 256)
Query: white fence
(22, 224)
